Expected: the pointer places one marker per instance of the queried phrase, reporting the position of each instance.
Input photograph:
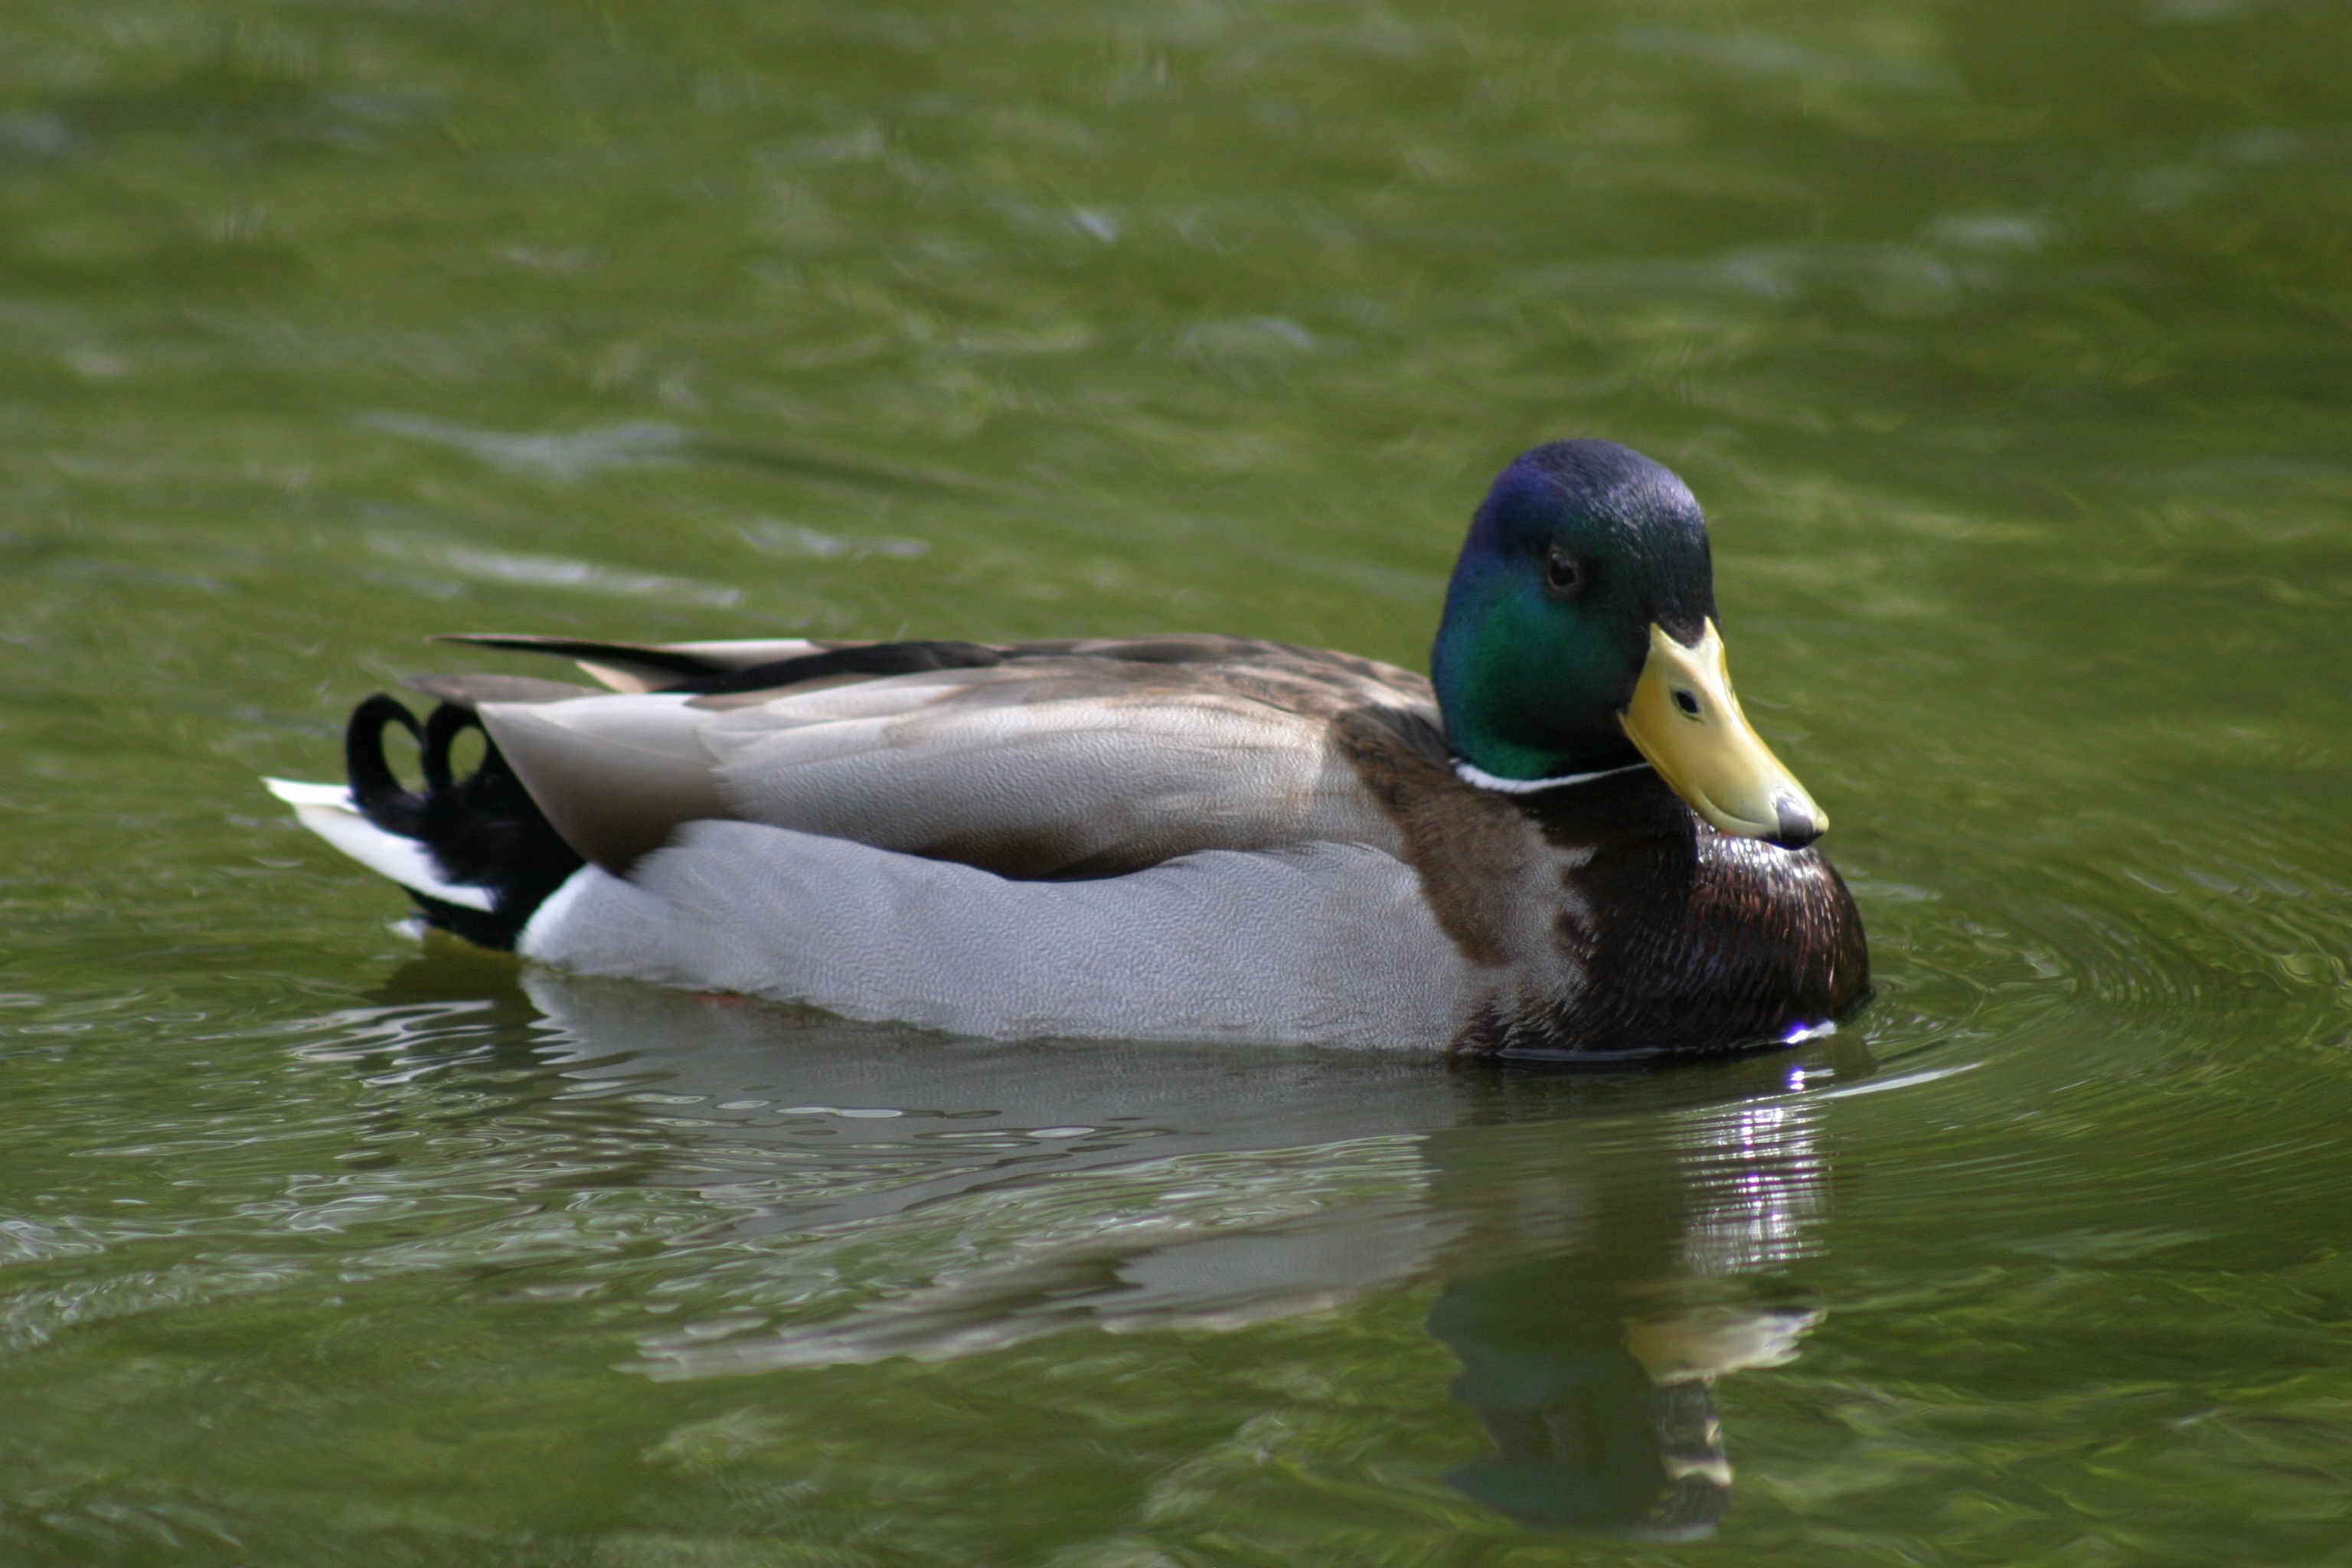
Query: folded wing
(1037, 761)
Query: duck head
(1580, 637)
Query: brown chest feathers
(1604, 919)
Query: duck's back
(1038, 760)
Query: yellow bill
(1686, 719)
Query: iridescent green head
(1580, 547)
(1580, 635)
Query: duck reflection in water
(1592, 1366)
(1609, 1246)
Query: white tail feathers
(327, 811)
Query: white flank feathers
(1324, 943)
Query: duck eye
(1687, 702)
(1562, 571)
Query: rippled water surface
(2007, 345)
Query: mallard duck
(1568, 842)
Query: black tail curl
(483, 830)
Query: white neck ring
(1472, 774)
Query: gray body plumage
(1326, 942)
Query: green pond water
(2007, 345)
